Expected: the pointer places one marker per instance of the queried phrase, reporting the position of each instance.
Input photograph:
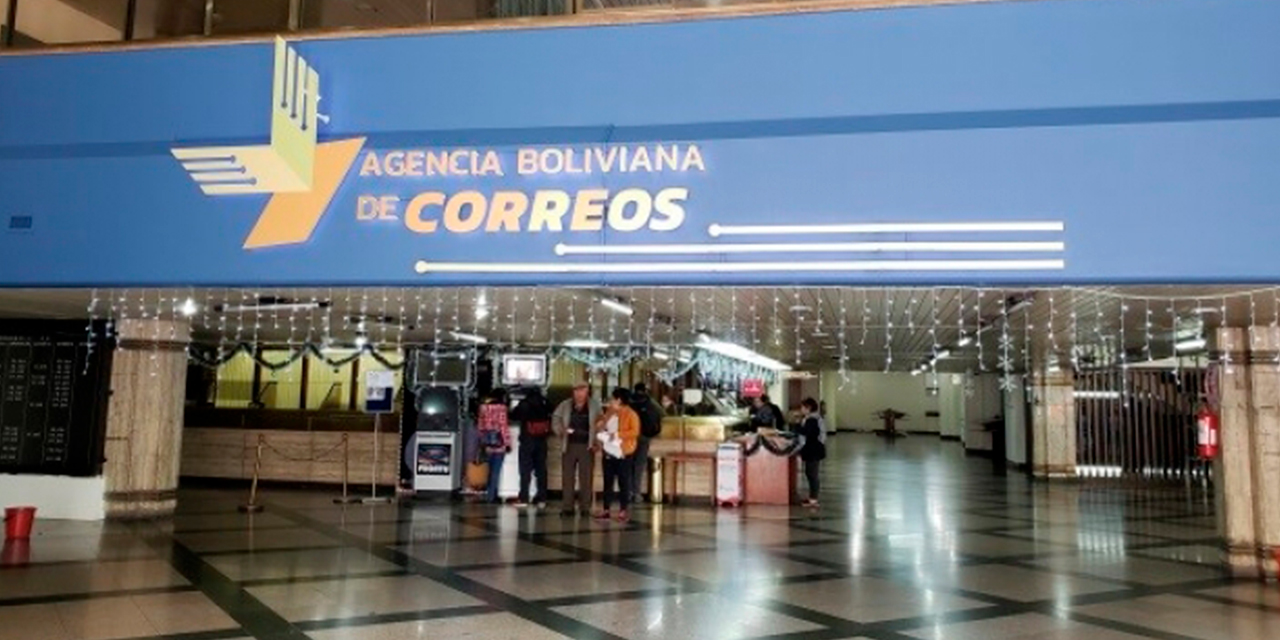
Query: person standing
(767, 415)
(650, 414)
(815, 447)
(495, 439)
(573, 423)
(617, 437)
(534, 415)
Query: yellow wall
(329, 388)
(281, 389)
(235, 382)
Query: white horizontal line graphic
(222, 176)
(423, 266)
(717, 230)
(211, 165)
(800, 247)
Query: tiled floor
(913, 541)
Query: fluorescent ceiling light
(620, 307)
(1098, 395)
(188, 307)
(469, 337)
(945, 353)
(799, 308)
(965, 341)
(1194, 344)
(482, 313)
(586, 344)
(1204, 310)
(1018, 306)
(272, 306)
(661, 355)
(739, 352)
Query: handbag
(538, 428)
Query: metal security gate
(1138, 424)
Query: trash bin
(655, 480)
(18, 522)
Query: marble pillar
(1264, 411)
(1243, 382)
(144, 418)
(1053, 426)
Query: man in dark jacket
(648, 409)
(534, 415)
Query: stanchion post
(253, 506)
(373, 482)
(346, 498)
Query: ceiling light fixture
(965, 341)
(469, 337)
(618, 306)
(739, 352)
(586, 344)
(272, 306)
(188, 308)
(1194, 344)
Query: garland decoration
(791, 444)
(214, 358)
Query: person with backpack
(650, 413)
(495, 439)
(815, 447)
(534, 415)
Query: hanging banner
(337, 161)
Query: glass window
(69, 21)
(280, 388)
(329, 388)
(371, 14)
(168, 19)
(249, 16)
(235, 383)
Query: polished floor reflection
(914, 540)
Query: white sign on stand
(729, 474)
(379, 391)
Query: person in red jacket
(495, 439)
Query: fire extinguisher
(1206, 434)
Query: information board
(53, 398)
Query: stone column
(1053, 426)
(144, 418)
(1233, 470)
(1264, 382)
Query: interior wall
(868, 392)
(1015, 422)
(985, 404)
(951, 403)
(58, 497)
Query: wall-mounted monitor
(524, 370)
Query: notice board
(53, 397)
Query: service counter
(299, 446)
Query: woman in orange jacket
(618, 435)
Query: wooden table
(674, 461)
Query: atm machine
(434, 410)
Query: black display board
(54, 390)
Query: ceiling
(893, 328)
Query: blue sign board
(1003, 143)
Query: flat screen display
(524, 370)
